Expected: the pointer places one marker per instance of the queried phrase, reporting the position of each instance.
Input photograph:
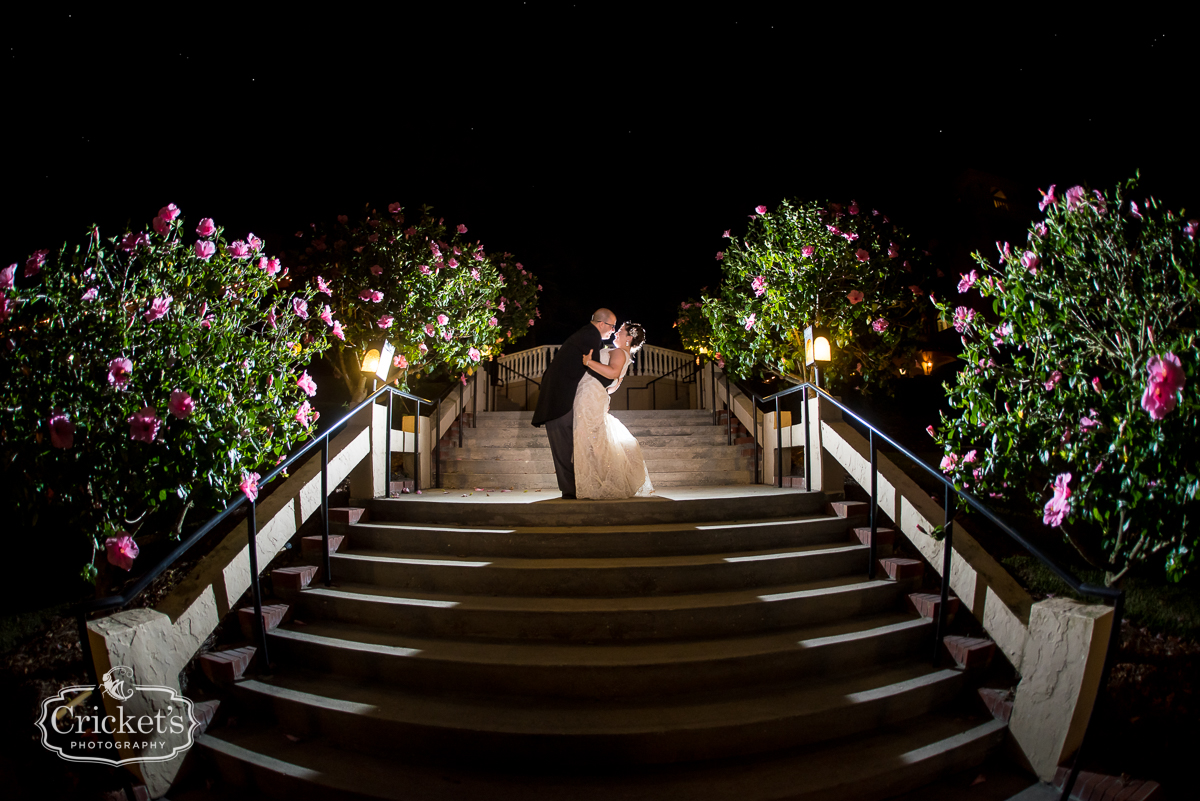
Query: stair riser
(486, 438)
(547, 481)
(603, 542)
(662, 743)
(426, 672)
(592, 625)
(612, 582)
(639, 511)
(655, 466)
(691, 452)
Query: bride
(608, 460)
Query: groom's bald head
(605, 322)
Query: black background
(606, 145)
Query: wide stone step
(701, 463)
(683, 437)
(683, 416)
(505, 436)
(661, 617)
(703, 505)
(881, 763)
(661, 451)
(598, 670)
(547, 481)
(594, 577)
(631, 540)
(375, 717)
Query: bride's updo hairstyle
(637, 336)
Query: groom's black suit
(556, 401)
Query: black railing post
(729, 407)
(461, 421)
(325, 508)
(713, 382)
(874, 504)
(387, 448)
(475, 399)
(754, 425)
(417, 449)
(807, 445)
(778, 446)
(437, 444)
(947, 550)
(256, 587)
(699, 384)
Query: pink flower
(1048, 198)
(1054, 380)
(750, 321)
(306, 383)
(806, 251)
(1096, 384)
(500, 305)
(425, 270)
(160, 226)
(376, 269)
(62, 430)
(119, 371)
(269, 266)
(1003, 330)
(453, 262)
(91, 294)
(473, 354)
(1133, 210)
(326, 315)
(394, 208)
(372, 295)
(8, 276)
(143, 424)
(963, 317)
(462, 229)
(1166, 380)
(862, 255)
(968, 280)
(169, 212)
(343, 219)
(1088, 423)
(475, 273)
(1191, 228)
(761, 209)
(720, 255)
(855, 296)
(205, 322)
(949, 462)
(205, 250)
(759, 285)
(1005, 251)
(430, 330)
(892, 250)
(305, 415)
(121, 550)
(206, 227)
(929, 431)
(1101, 204)
(447, 335)
(300, 307)
(181, 404)
(1030, 261)
(1074, 197)
(879, 325)
(337, 330)
(853, 209)
(385, 321)
(916, 290)
(442, 319)
(971, 457)
(726, 234)
(1040, 230)
(493, 322)
(323, 287)
(1059, 506)
(34, 264)
(425, 348)
(239, 250)
(833, 229)
(271, 317)
(400, 361)
(249, 485)
(158, 308)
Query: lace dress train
(608, 459)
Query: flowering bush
(142, 376)
(852, 269)
(695, 331)
(1089, 368)
(438, 297)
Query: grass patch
(1160, 607)
(18, 627)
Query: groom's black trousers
(561, 433)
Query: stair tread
(895, 757)
(566, 605)
(652, 528)
(636, 653)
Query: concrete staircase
(711, 644)
(682, 448)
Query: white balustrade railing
(651, 361)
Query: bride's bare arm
(610, 370)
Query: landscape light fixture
(926, 362)
(817, 350)
(378, 358)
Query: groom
(555, 407)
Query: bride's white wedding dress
(608, 459)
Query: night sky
(606, 145)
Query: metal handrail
(1107, 594)
(654, 392)
(528, 381)
(122, 599)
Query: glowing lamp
(926, 362)
(816, 346)
(378, 359)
